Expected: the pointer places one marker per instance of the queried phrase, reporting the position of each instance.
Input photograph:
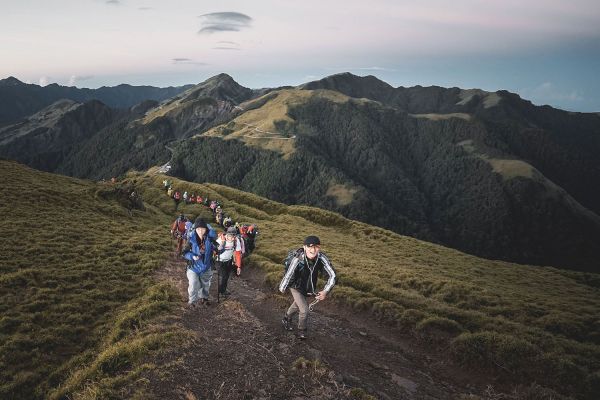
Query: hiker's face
(229, 237)
(200, 231)
(311, 251)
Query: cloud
(375, 69)
(188, 61)
(223, 22)
(44, 80)
(115, 2)
(549, 93)
(76, 78)
(145, 8)
(227, 45)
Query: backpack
(290, 256)
(177, 195)
(181, 225)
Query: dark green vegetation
(452, 180)
(81, 315)
(486, 173)
(18, 99)
(78, 302)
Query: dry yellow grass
(439, 117)
(343, 194)
(256, 127)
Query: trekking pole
(312, 305)
(218, 284)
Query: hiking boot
(302, 334)
(206, 302)
(191, 306)
(285, 321)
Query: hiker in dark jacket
(302, 269)
(199, 271)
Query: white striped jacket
(301, 273)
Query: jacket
(203, 250)
(301, 273)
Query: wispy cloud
(223, 22)
(44, 80)
(145, 8)
(549, 93)
(76, 78)
(188, 61)
(115, 2)
(227, 45)
(375, 69)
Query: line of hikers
(188, 198)
(206, 250)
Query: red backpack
(177, 195)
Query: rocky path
(240, 351)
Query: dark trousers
(225, 268)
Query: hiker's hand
(195, 258)
(239, 271)
(322, 295)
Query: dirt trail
(240, 351)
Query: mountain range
(488, 173)
(19, 100)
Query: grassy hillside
(527, 323)
(81, 315)
(75, 282)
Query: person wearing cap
(199, 272)
(230, 255)
(302, 269)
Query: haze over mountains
(19, 99)
(487, 173)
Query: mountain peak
(347, 80)
(221, 87)
(10, 81)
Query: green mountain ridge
(487, 173)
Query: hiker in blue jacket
(199, 272)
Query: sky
(547, 51)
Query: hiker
(228, 222)
(206, 202)
(185, 197)
(302, 268)
(198, 251)
(177, 198)
(199, 200)
(166, 184)
(230, 256)
(170, 191)
(193, 198)
(219, 217)
(213, 206)
(178, 232)
(252, 233)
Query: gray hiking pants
(299, 305)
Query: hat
(231, 231)
(312, 241)
(200, 223)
